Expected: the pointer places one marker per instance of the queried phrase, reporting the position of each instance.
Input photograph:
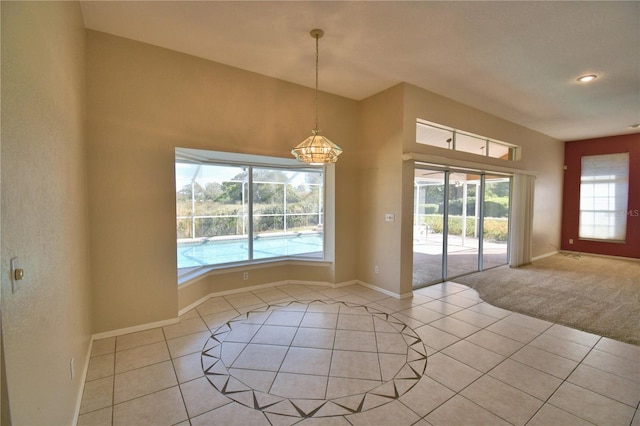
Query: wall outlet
(376, 269)
(72, 369)
(570, 240)
(245, 276)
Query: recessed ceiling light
(635, 126)
(587, 78)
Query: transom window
(237, 209)
(604, 192)
(428, 133)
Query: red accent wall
(573, 152)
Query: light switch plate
(14, 266)
(389, 217)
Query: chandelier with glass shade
(317, 149)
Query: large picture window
(233, 209)
(604, 191)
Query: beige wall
(380, 178)
(46, 322)
(143, 101)
(540, 153)
(388, 122)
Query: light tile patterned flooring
(297, 354)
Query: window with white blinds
(604, 192)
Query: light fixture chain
(317, 60)
(317, 149)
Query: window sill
(602, 240)
(194, 275)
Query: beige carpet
(594, 294)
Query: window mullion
(250, 197)
(480, 220)
(445, 225)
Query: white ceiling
(516, 60)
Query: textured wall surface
(46, 321)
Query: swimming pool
(219, 251)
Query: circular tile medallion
(315, 358)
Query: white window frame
(205, 157)
(604, 197)
(459, 140)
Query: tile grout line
(231, 401)
(455, 393)
(184, 402)
(333, 348)
(395, 311)
(288, 347)
(459, 393)
(138, 368)
(268, 304)
(113, 384)
(544, 402)
(306, 310)
(375, 337)
(560, 385)
(603, 371)
(591, 348)
(636, 414)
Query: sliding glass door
(463, 212)
(461, 223)
(428, 248)
(495, 225)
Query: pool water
(214, 252)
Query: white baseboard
(227, 293)
(406, 295)
(581, 253)
(346, 283)
(148, 326)
(194, 304)
(542, 256)
(105, 335)
(83, 378)
(384, 291)
(606, 256)
(303, 282)
(134, 329)
(261, 286)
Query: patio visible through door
(461, 223)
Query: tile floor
(297, 354)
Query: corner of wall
(44, 216)
(380, 180)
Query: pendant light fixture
(317, 149)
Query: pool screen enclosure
(461, 223)
(231, 212)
